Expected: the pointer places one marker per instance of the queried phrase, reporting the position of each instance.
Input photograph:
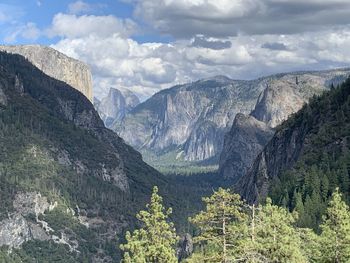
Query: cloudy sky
(148, 45)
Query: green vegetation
(230, 230)
(324, 164)
(173, 163)
(155, 240)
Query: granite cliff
(115, 105)
(57, 65)
(284, 95)
(189, 122)
(313, 143)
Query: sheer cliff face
(245, 140)
(115, 105)
(284, 95)
(57, 65)
(190, 118)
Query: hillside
(69, 187)
(307, 157)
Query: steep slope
(282, 97)
(308, 156)
(245, 140)
(69, 187)
(57, 65)
(115, 105)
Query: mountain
(189, 120)
(188, 123)
(306, 159)
(115, 105)
(284, 95)
(69, 187)
(57, 65)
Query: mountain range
(187, 123)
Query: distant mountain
(57, 65)
(69, 187)
(188, 122)
(306, 159)
(284, 94)
(115, 105)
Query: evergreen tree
(154, 242)
(276, 239)
(221, 227)
(335, 236)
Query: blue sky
(149, 45)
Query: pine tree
(154, 242)
(276, 237)
(335, 236)
(221, 227)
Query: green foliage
(219, 226)
(232, 231)
(324, 162)
(155, 241)
(335, 236)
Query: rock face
(300, 138)
(190, 118)
(284, 94)
(115, 105)
(245, 140)
(57, 65)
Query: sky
(149, 45)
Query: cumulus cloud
(73, 26)
(237, 38)
(223, 18)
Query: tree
(221, 227)
(335, 236)
(275, 238)
(155, 241)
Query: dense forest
(325, 161)
(230, 230)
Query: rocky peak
(57, 65)
(115, 105)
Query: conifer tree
(154, 242)
(335, 236)
(276, 239)
(221, 227)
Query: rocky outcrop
(284, 94)
(57, 65)
(115, 105)
(245, 140)
(16, 229)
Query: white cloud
(224, 18)
(28, 31)
(73, 26)
(105, 42)
(79, 7)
